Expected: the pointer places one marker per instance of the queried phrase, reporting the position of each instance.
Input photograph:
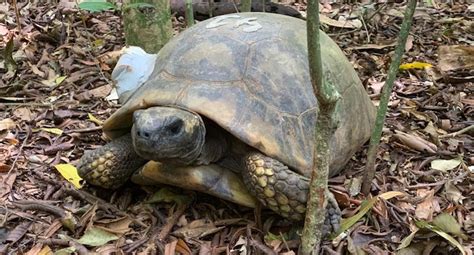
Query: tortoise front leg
(111, 165)
(283, 190)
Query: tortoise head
(168, 134)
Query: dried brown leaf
(23, 113)
(457, 62)
(7, 124)
(197, 229)
(117, 226)
(425, 209)
(416, 142)
(102, 91)
(170, 248)
(182, 247)
(453, 193)
(7, 181)
(18, 232)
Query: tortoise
(230, 99)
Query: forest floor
(53, 101)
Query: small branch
(387, 89)
(67, 219)
(262, 247)
(28, 132)
(83, 130)
(460, 132)
(166, 229)
(17, 14)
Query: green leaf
(437, 230)
(167, 195)
(65, 251)
(10, 63)
(448, 224)
(60, 79)
(365, 207)
(96, 237)
(407, 240)
(270, 237)
(96, 5)
(349, 222)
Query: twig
(387, 89)
(166, 229)
(83, 130)
(259, 245)
(424, 185)
(39, 206)
(462, 131)
(102, 204)
(81, 249)
(29, 104)
(28, 132)
(133, 246)
(17, 14)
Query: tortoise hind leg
(111, 165)
(283, 190)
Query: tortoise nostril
(143, 134)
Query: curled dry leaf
(7, 181)
(18, 232)
(453, 193)
(340, 23)
(118, 226)
(416, 142)
(197, 229)
(457, 62)
(428, 206)
(7, 124)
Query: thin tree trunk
(147, 24)
(245, 5)
(189, 13)
(387, 90)
(327, 97)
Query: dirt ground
(55, 77)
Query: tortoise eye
(175, 127)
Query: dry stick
(387, 89)
(20, 151)
(166, 229)
(460, 132)
(327, 98)
(17, 14)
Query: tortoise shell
(249, 74)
